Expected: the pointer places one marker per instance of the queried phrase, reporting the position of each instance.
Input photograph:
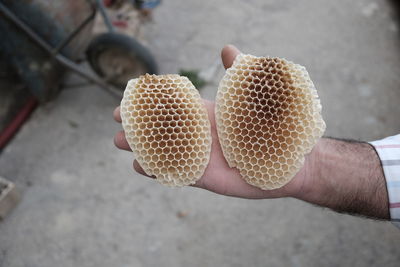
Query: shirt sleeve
(389, 153)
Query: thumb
(228, 55)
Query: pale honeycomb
(268, 118)
(167, 127)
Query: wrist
(309, 188)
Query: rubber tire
(128, 45)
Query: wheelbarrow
(41, 39)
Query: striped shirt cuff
(389, 153)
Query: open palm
(218, 176)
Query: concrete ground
(84, 206)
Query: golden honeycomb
(268, 117)
(167, 127)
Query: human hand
(218, 176)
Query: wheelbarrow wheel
(118, 58)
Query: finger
(120, 141)
(117, 114)
(228, 55)
(138, 168)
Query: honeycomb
(167, 128)
(268, 117)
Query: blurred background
(81, 204)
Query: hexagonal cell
(268, 117)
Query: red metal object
(108, 3)
(120, 24)
(18, 120)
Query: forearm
(346, 177)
